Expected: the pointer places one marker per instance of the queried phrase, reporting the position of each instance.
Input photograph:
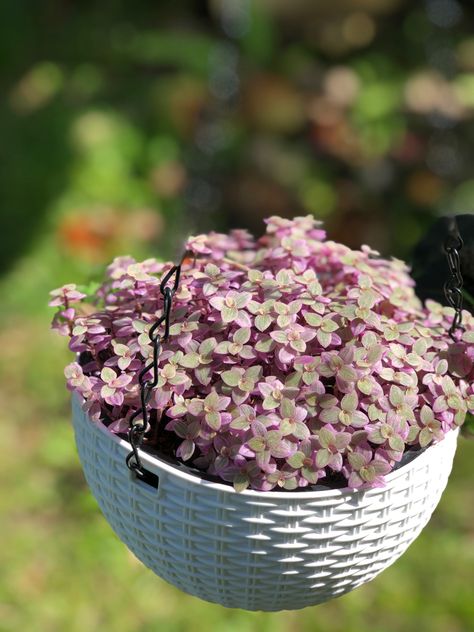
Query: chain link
(138, 423)
(454, 285)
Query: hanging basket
(259, 550)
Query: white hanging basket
(259, 550)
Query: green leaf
(347, 374)
(390, 334)
(257, 444)
(404, 379)
(206, 347)
(356, 460)
(240, 423)
(301, 430)
(213, 419)
(358, 419)
(310, 377)
(298, 345)
(426, 414)
(253, 307)
(262, 322)
(342, 440)
(107, 391)
(412, 433)
(178, 409)
(365, 385)
(468, 336)
(420, 347)
(283, 321)
(324, 338)
(396, 396)
(329, 415)
(369, 339)
(367, 473)
(292, 380)
(247, 352)
(326, 437)
(280, 336)
(195, 406)
(242, 336)
(246, 384)
(413, 359)
(425, 437)
(328, 401)
(287, 407)
(329, 325)
(242, 299)
(212, 400)
(255, 275)
(349, 402)
(290, 483)
(374, 354)
(322, 458)
(270, 403)
(376, 436)
(365, 282)
(396, 443)
(241, 482)
(315, 288)
(265, 345)
(282, 277)
(287, 427)
(296, 460)
(310, 475)
(312, 319)
(179, 378)
(232, 377)
(78, 330)
(119, 348)
(190, 360)
(229, 314)
(222, 347)
(107, 374)
(203, 375)
(367, 299)
(280, 308)
(253, 372)
(211, 269)
(273, 439)
(186, 449)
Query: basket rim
(158, 465)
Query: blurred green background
(127, 126)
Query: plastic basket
(259, 550)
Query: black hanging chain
(138, 424)
(454, 285)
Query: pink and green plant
(292, 360)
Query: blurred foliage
(127, 126)
(217, 114)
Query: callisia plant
(292, 360)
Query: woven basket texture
(259, 550)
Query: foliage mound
(292, 360)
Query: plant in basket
(288, 362)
